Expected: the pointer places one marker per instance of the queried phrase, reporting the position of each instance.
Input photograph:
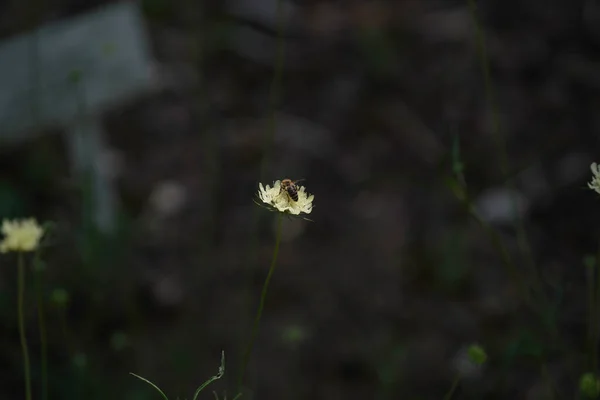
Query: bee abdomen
(293, 194)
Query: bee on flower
(20, 235)
(286, 197)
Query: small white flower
(279, 200)
(595, 183)
(20, 235)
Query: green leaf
(151, 384)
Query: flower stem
(21, 289)
(594, 321)
(450, 392)
(262, 303)
(42, 325)
(523, 243)
(591, 286)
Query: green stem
(522, 238)
(450, 392)
(21, 289)
(262, 303)
(42, 325)
(489, 89)
(591, 334)
(496, 241)
(594, 320)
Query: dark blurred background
(378, 297)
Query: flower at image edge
(278, 200)
(20, 235)
(595, 183)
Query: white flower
(279, 200)
(20, 235)
(595, 183)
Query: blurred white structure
(65, 75)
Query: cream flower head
(276, 199)
(595, 183)
(20, 235)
